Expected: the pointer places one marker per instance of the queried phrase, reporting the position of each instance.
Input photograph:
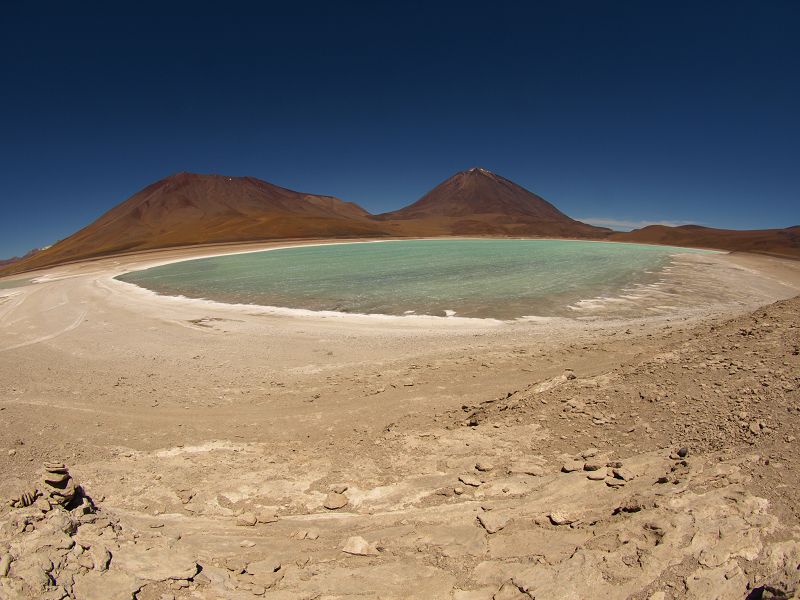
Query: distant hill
(187, 208)
(479, 202)
(776, 242)
(7, 261)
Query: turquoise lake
(501, 279)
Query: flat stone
(154, 564)
(470, 480)
(56, 479)
(597, 475)
(266, 516)
(305, 534)
(571, 466)
(54, 467)
(109, 585)
(623, 474)
(335, 501)
(509, 591)
(265, 566)
(358, 546)
(235, 564)
(492, 522)
(593, 466)
(339, 488)
(524, 468)
(484, 466)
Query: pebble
(247, 519)
(560, 518)
(683, 452)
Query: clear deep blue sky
(615, 111)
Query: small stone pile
(58, 486)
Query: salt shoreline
(606, 306)
(727, 276)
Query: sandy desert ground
(645, 449)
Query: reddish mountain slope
(777, 242)
(187, 209)
(476, 202)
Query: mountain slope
(187, 208)
(477, 201)
(777, 242)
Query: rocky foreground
(673, 475)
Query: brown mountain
(479, 202)
(187, 209)
(776, 242)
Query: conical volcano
(477, 201)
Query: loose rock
(358, 546)
(335, 501)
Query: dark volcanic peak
(479, 202)
(478, 191)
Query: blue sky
(619, 113)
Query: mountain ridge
(187, 209)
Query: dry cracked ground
(671, 474)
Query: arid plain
(644, 449)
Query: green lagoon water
(14, 283)
(502, 279)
